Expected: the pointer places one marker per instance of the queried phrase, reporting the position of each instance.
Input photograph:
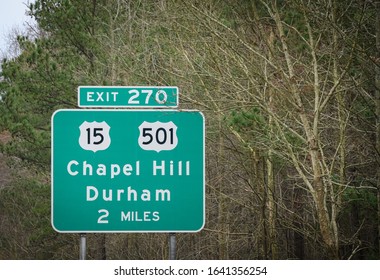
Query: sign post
(82, 246)
(128, 171)
(172, 246)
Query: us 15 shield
(94, 136)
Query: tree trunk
(311, 129)
(337, 192)
(377, 100)
(323, 218)
(258, 175)
(271, 208)
(270, 169)
(222, 205)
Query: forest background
(291, 95)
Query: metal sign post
(172, 246)
(82, 246)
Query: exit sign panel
(128, 171)
(127, 96)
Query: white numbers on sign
(160, 97)
(134, 98)
(158, 136)
(94, 136)
(103, 218)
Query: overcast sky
(12, 15)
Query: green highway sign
(128, 97)
(128, 171)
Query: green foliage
(33, 86)
(364, 199)
(252, 124)
(247, 120)
(25, 208)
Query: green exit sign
(128, 97)
(128, 171)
